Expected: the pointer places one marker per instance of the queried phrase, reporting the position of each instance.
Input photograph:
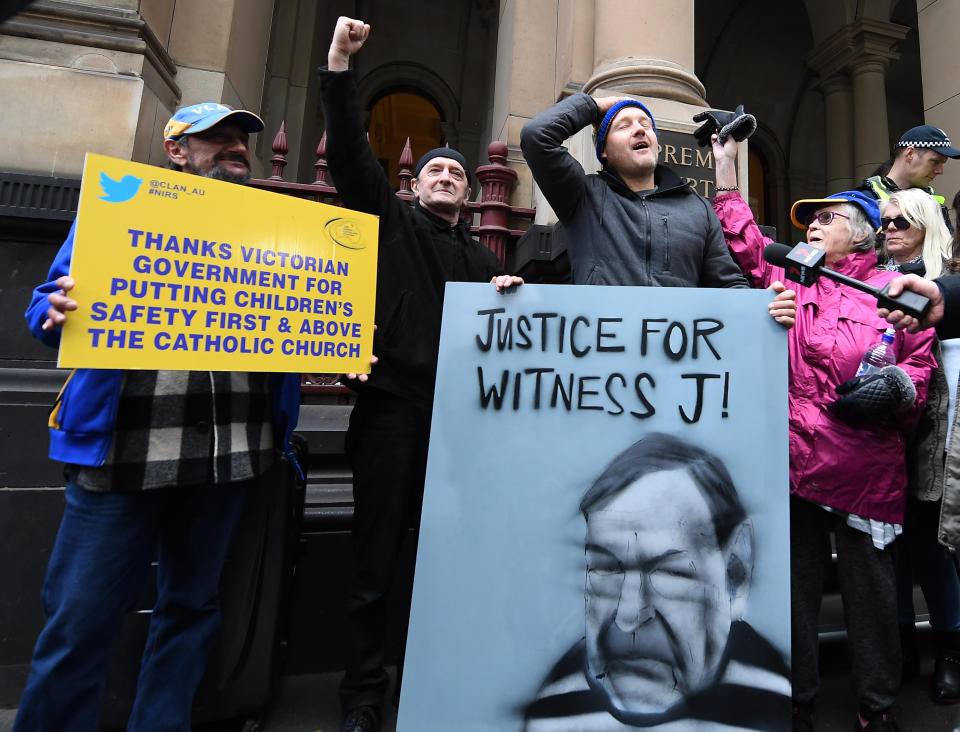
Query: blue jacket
(82, 421)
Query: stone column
(829, 59)
(871, 141)
(220, 47)
(941, 84)
(645, 49)
(838, 101)
(604, 47)
(289, 92)
(575, 21)
(525, 82)
(853, 64)
(873, 46)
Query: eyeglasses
(900, 222)
(824, 218)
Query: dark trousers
(387, 447)
(103, 550)
(868, 590)
(922, 558)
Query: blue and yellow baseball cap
(806, 206)
(199, 117)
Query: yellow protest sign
(177, 271)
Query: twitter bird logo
(118, 191)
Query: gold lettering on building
(702, 186)
(690, 162)
(671, 155)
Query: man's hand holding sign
(60, 304)
(203, 274)
(162, 274)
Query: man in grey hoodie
(635, 222)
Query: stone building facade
(832, 82)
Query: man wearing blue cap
(919, 158)
(158, 463)
(211, 140)
(422, 247)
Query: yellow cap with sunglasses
(803, 209)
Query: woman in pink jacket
(847, 466)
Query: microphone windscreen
(906, 392)
(776, 254)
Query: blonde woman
(917, 241)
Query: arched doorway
(396, 116)
(757, 197)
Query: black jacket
(949, 327)
(419, 252)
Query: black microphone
(804, 264)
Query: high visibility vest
(882, 193)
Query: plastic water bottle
(878, 355)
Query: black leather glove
(737, 123)
(867, 399)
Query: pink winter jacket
(860, 470)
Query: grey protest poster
(604, 537)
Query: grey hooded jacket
(670, 237)
(933, 467)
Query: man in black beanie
(422, 247)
